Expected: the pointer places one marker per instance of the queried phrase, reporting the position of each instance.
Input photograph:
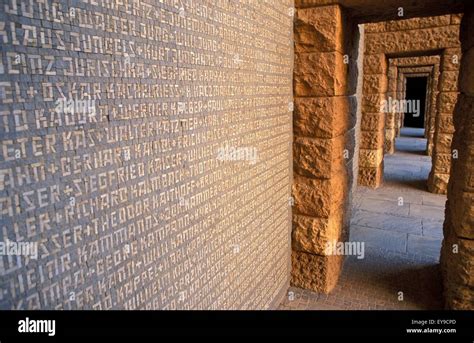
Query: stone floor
(400, 224)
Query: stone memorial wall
(145, 158)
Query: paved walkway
(401, 226)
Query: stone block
(324, 117)
(318, 157)
(389, 143)
(320, 74)
(320, 197)
(462, 209)
(392, 86)
(445, 124)
(370, 158)
(417, 23)
(446, 102)
(319, 29)
(312, 235)
(375, 27)
(412, 40)
(375, 64)
(370, 177)
(449, 81)
(441, 162)
(438, 183)
(372, 139)
(372, 121)
(457, 261)
(443, 143)
(456, 19)
(315, 272)
(389, 121)
(373, 103)
(374, 84)
(451, 59)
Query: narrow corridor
(401, 226)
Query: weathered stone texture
(311, 235)
(325, 80)
(444, 126)
(370, 176)
(413, 40)
(318, 157)
(319, 31)
(305, 268)
(324, 117)
(449, 81)
(457, 255)
(375, 64)
(409, 24)
(320, 74)
(458, 272)
(375, 83)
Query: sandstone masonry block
(324, 117)
(319, 30)
(373, 84)
(315, 272)
(375, 64)
(318, 197)
(320, 74)
(412, 40)
(311, 235)
(318, 157)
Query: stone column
(390, 118)
(429, 90)
(403, 96)
(324, 119)
(430, 130)
(444, 129)
(400, 96)
(375, 85)
(457, 253)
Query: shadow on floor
(421, 285)
(412, 132)
(375, 283)
(420, 185)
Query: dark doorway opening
(416, 102)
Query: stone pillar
(400, 96)
(429, 89)
(457, 253)
(403, 96)
(444, 128)
(375, 85)
(390, 118)
(324, 119)
(430, 127)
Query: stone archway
(324, 128)
(396, 82)
(401, 38)
(434, 62)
